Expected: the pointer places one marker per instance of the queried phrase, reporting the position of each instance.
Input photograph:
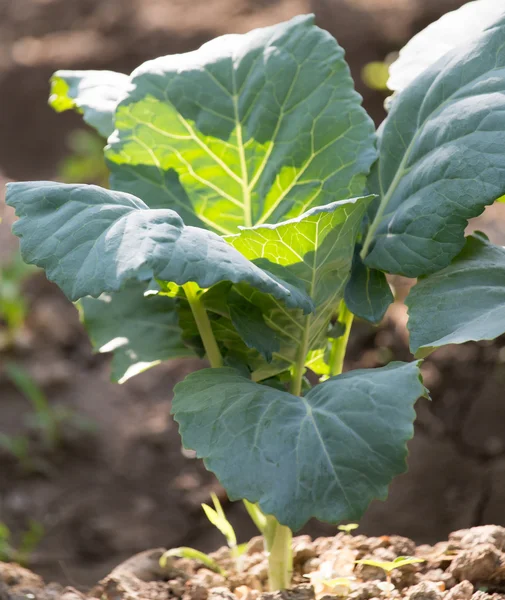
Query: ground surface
(125, 485)
(470, 565)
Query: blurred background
(92, 472)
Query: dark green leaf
(251, 327)
(141, 330)
(367, 293)
(441, 157)
(246, 130)
(299, 458)
(91, 240)
(463, 302)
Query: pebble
(476, 564)
(426, 590)
(485, 534)
(461, 591)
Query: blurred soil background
(113, 480)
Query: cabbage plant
(253, 212)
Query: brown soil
(470, 565)
(107, 493)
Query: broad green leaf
(433, 42)
(316, 456)
(140, 330)
(367, 293)
(441, 158)
(95, 94)
(463, 302)
(248, 129)
(317, 249)
(91, 240)
(250, 325)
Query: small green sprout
(29, 541)
(348, 527)
(389, 567)
(217, 517)
(185, 552)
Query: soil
(470, 565)
(122, 485)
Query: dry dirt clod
(461, 591)
(195, 592)
(303, 549)
(438, 576)
(221, 593)
(301, 592)
(476, 564)
(426, 590)
(402, 546)
(486, 534)
(255, 545)
(366, 591)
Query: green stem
(191, 290)
(299, 366)
(339, 345)
(278, 544)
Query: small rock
(70, 593)
(176, 587)
(246, 593)
(195, 591)
(426, 590)
(476, 564)
(255, 545)
(300, 592)
(439, 576)
(208, 578)
(369, 573)
(478, 595)
(303, 549)
(461, 591)
(366, 591)
(221, 593)
(485, 534)
(402, 546)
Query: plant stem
(278, 544)
(339, 345)
(299, 366)
(204, 327)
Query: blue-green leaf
(140, 330)
(91, 240)
(367, 293)
(463, 302)
(441, 157)
(249, 129)
(316, 456)
(95, 94)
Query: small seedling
(347, 528)
(388, 567)
(185, 552)
(13, 308)
(252, 203)
(30, 539)
(217, 517)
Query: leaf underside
(299, 458)
(441, 157)
(463, 302)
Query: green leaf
(217, 517)
(433, 42)
(91, 240)
(141, 331)
(388, 566)
(95, 94)
(441, 159)
(299, 458)
(186, 552)
(317, 249)
(367, 293)
(463, 302)
(246, 130)
(250, 325)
